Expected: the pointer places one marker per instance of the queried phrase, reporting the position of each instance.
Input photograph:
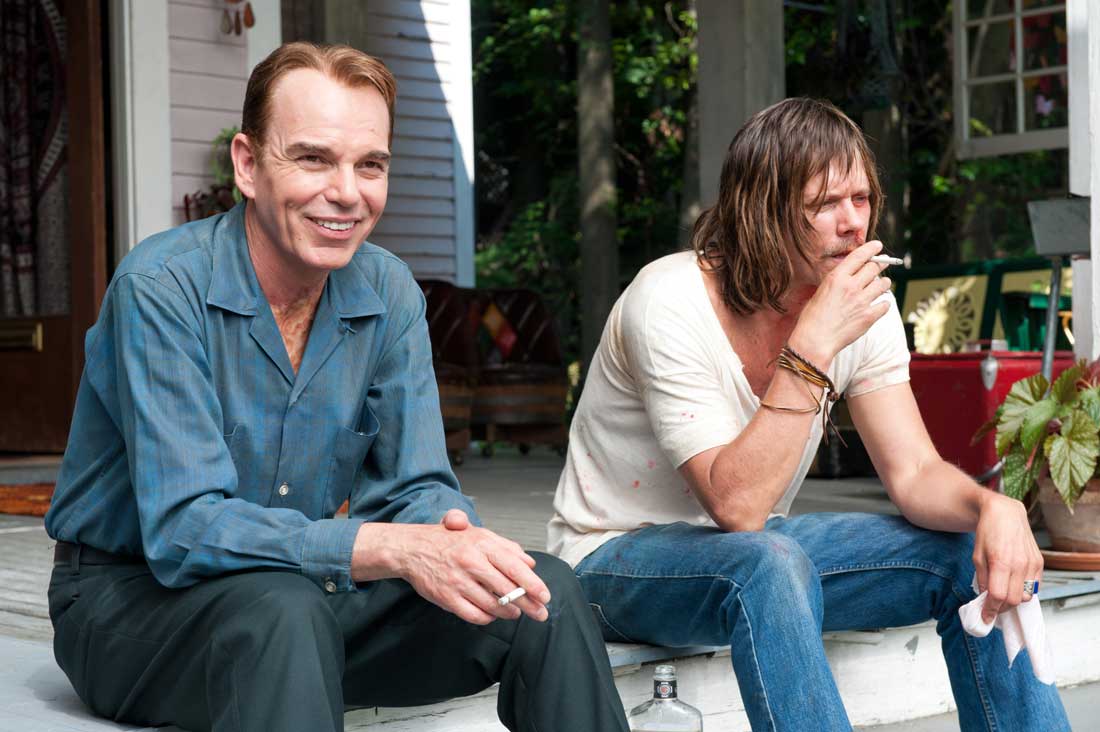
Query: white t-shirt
(664, 386)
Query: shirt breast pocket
(348, 455)
(240, 452)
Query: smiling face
(839, 217)
(318, 186)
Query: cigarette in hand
(513, 595)
(886, 259)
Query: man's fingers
(998, 592)
(466, 610)
(868, 273)
(516, 573)
(860, 256)
(483, 599)
(456, 520)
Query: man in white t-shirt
(702, 412)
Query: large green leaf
(1023, 394)
(1065, 386)
(1072, 455)
(1034, 427)
(1089, 402)
(1020, 474)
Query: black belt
(66, 553)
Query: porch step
(885, 676)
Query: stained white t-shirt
(664, 386)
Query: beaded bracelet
(791, 360)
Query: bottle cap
(665, 672)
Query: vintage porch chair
(522, 381)
(452, 327)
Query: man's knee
(778, 569)
(558, 577)
(286, 610)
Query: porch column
(1083, 28)
(741, 71)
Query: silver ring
(1031, 587)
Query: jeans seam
(979, 677)
(657, 576)
(755, 661)
(598, 609)
(919, 566)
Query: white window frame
(1022, 140)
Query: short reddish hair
(349, 66)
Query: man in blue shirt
(247, 374)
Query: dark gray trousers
(271, 651)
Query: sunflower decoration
(943, 321)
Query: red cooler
(957, 394)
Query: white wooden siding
(208, 71)
(415, 39)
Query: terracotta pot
(1076, 532)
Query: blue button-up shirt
(195, 444)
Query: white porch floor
(885, 677)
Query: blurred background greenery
(875, 59)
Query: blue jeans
(770, 594)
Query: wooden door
(41, 357)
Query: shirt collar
(234, 287)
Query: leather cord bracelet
(792, 361)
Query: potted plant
(222, 194)
(1049, 438)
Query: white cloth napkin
(1022, 627)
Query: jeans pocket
(610, 632)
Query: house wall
(426, 43)
(207, 72)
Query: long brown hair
(349, 66)
(747, 237)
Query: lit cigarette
(513, 595)
(886, 259)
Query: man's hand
(843, 307)
(1005, 554)
(459, 567)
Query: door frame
(87, 173)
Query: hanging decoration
(236, 16)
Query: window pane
(985, 8)
(1046, 102)
(1044, 41)
(991, 48)
(993, 109)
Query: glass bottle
(664, 712)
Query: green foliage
(1023, 395)
(525, 93)
(1059, 429)
(222, 194)
(957, 211)
(1072, 455)
(526, 124)
(221, 162)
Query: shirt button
(330, 586)
(284, 489)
